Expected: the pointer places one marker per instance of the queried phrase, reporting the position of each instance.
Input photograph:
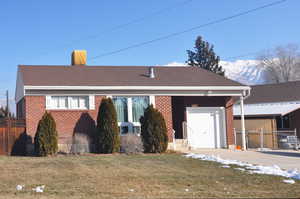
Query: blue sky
(46, 32)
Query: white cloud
(176, 64)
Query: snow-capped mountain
(244, 71)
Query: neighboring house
(271, 107)
(72, 94)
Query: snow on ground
(20, 187)
(289, 181)
(39, 189)
(250, 168)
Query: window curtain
(63, 102)
(83, 102)
(74, 102)
(59, 101)
(121, 108)
(139, 104)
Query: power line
(121, 26)
(190, 29)
(250, 53)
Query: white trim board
(265, 109)
(137, 87)
(142, 94)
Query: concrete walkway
(285, 159)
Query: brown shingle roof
(120, 76)
(282, 92)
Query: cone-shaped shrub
(154, 131)
(45, 140)
(107, 132)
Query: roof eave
(206, 88)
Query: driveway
(285, 159)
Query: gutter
(28, 87)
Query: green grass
(155, 176)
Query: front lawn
(155, 176)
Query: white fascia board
(263, 109)
(242, 88)
(145, 93)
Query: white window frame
(130, 124)
(90, 102)
(78, 107)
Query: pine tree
(204, 57)
(154, 131)
(107, 131)
(45, 140)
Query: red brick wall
(70, 121)
(229, 121)
(164, 105)
(67, 121)
(34, 110)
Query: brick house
(72, 94)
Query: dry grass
(112, 176)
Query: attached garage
(206, 127)
(203, 121)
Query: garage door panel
(204, 127)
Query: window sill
(71, 110)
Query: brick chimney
(79, 57)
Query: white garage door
(206, 127)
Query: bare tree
(282, 63)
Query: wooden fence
(267, 139)
(12, 137)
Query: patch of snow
(20, 187)
(263, 149)
(252, 169)
(225, 166)
(240, 169)
(39, 189)
(289, 181)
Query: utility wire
(137, 20)
(122, 26)
(190, 29)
